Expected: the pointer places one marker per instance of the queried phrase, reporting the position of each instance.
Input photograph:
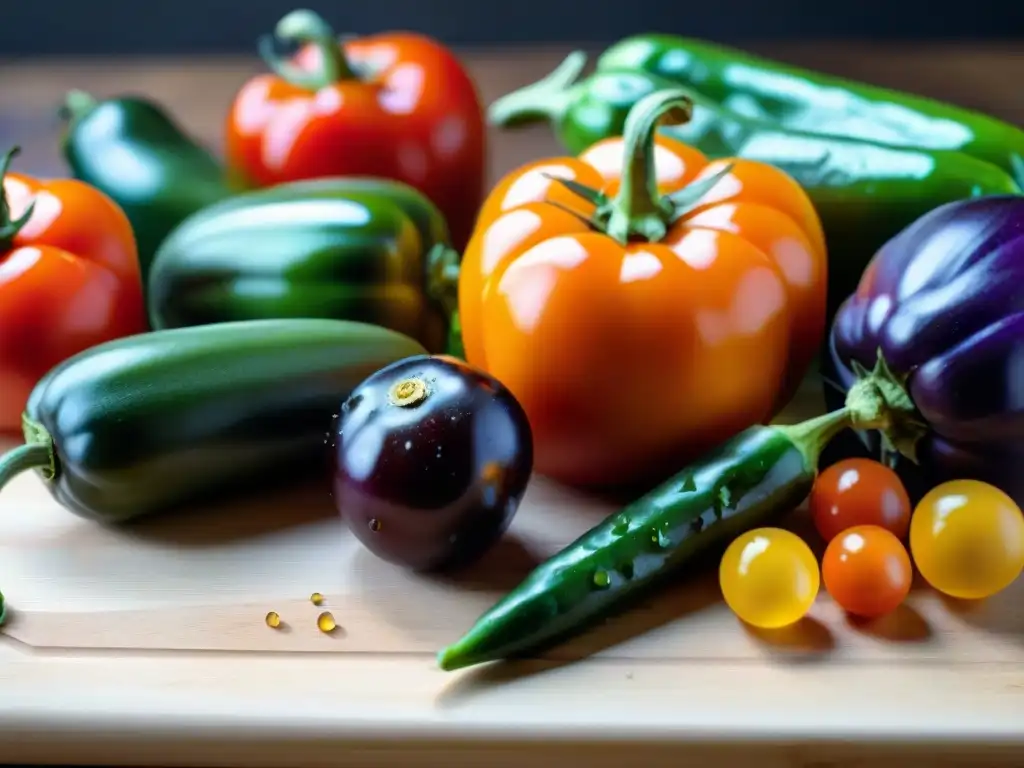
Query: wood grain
(146, 645)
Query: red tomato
(867, 571)
(859, 492)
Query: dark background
(73, 27)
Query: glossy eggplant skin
(152, 422)
(431, 459)
(943, 303)
(340, 248)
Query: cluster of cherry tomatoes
(966, 538)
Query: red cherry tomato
(867, 571)
(859, 492)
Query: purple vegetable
(943, 304)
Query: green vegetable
(752, 480)
(344, 248)
(813, 102)
(153, 422)
(132, 150)
(865, 193)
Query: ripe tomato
(967, 538)
(867, 571)
(769, 578)
(859, 492)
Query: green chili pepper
(753, 480)
(132, 150)
(864, 192)
(813, 102)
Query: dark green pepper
(132, 150)
(152, 422)
(371, 250)
(813, 102)
(864, 192)
(753, 480)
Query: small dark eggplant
(431, 459)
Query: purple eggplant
(942, 303)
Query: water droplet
(620, 527)
(626, 569)
(697, 524)
(273, 620)
(375, 525)
(316, 598)
(725, 497)
(689, 485)
(408, 445)
(660, 539)
(325, 622)
(602, 579)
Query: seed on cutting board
(325, 622)
(316, 598)
(273, 620)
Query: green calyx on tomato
(10, 227)
(307, 27)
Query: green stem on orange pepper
(639, 210)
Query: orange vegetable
(642, 302)
(69, 279)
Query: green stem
(547, 99)
(443, 278)
(878, 400)
(77, 105)
(639, 209)
(10, 228)
(24, 458)
(811, 436)
(305, 26)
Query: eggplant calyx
(879, 400)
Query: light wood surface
(146, 645)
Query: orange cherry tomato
(69, 279)
(398, 106)
(867, 571)
(635, 330)
(859, 492)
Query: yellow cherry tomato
(967, 539)
(769, 578)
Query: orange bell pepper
(69, 279)
(641, 302)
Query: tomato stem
(639, 209)
(546, 99)
(10, 228)
(305, 26)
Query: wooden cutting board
(147, 645)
